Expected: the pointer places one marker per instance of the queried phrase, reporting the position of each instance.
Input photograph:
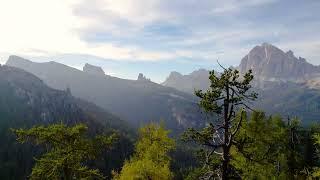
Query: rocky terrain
(272, 64)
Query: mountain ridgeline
(272, 64)
(136, 101)
(26, 101)
(48, 93)
(286, 84)
(188, 83)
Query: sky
(155, 37)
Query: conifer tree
(228, 93)
(67, 151)
(151, 160)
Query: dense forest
(237, 142)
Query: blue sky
(156, 37)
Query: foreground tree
(260, 152)
(67, 151)
(228, 93)
(316, 172)
(151, 160)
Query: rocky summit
(271, 63)
(91, 69)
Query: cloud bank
(174, 31)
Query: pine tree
(228, 93)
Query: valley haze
(159, 89)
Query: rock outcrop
(91, 69)
(272, 64)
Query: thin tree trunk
(225, 155)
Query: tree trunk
(225, 164)
(67, 174)
(225, 148)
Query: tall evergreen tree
(228, 93)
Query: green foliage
(67, 151)
(228, 93)
(271, 148)
(316, 172)
(151, 159)
(260, 147)
(226, 87)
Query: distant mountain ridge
(271, 63)
(268, 63)
(25, 101)
(91, 69)
(286, 84)
(188, 83)
(137, 101)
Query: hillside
(26, 101)
(137, 101)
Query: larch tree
(67, 149)
(150, 160)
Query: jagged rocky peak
(141, 77)
(91, 69)
(271, 63)
(174, 74)
(14, 60)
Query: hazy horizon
(155, 37)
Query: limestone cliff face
(95, 70)
(270, 63)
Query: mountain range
(141, 101)
(136, 101)
(286, 84)
(269, 64)
(45, 93)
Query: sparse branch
(238, 125)
(221, 65)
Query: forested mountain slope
(26, 101)
(137, 101)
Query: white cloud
(236, 5)
(48, 27)
(52, 27)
